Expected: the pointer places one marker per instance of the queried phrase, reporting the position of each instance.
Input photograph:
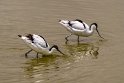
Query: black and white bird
(38, 44)
(79, 28)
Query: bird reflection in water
(83, 50)
(34, 66)
(93, 52)
(44, 65)
(40, 68)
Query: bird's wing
(78, 30)
(77, 25)
(40, 41)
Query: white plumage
(38, 44)
(79, 28)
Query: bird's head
(95, 26)
(57, 48)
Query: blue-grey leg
(37, 55)
(26, 54)
(67, 37)
(78, 39)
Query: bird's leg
(37, 55)
(26, 54)
(67, 37)
(78, 39)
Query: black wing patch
(69, 23)
(81, 22)
(84, 25)
(44, 40)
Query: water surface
(92, 61)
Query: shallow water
(92, 61)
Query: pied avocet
(79, 28)
(38, 44)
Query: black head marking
(96, 29)
(94, 24)
(79, 20)
(56, 47)
(30, 36)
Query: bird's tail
(20, 35)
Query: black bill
(60, 51)
(99, 33)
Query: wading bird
(79, 28)
(38, 44)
